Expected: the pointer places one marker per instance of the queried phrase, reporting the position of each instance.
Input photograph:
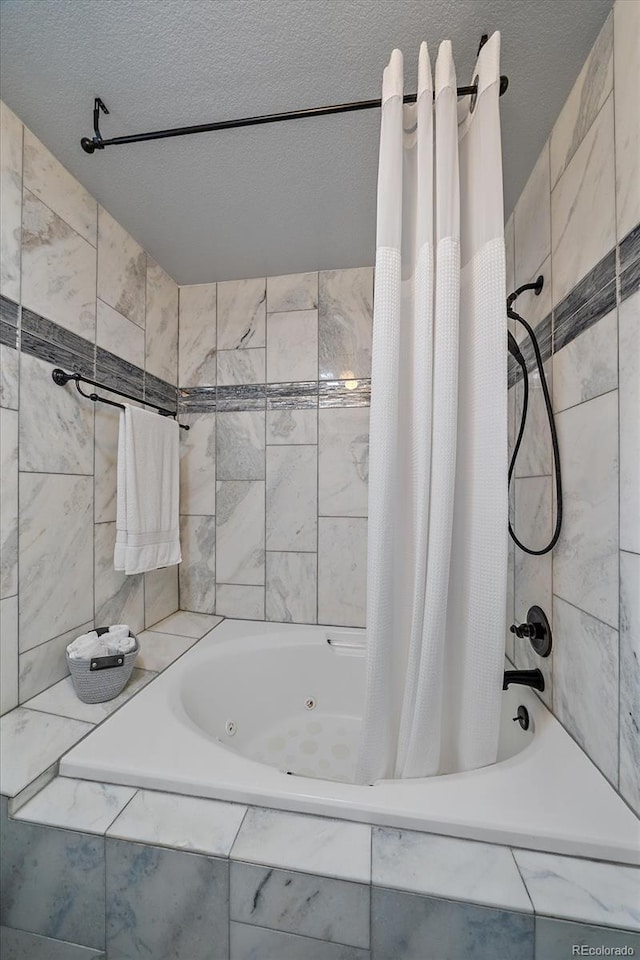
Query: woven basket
(102, 678)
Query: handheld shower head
(516, 353)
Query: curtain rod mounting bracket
(90, 145)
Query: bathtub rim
(95, 759)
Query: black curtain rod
(90, 145)
(61, 378)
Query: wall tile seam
(52, 333)
(38, 646)
(610, 90)
(615, 254)
(34, 787)
(41, 349)
(44, 203)
(602, 108)
(54, 473)
(581, 403)
(9, 309)
(304, 936)
(302, 873)
(615, 785)
(609, 626)
(256, 586)
(93, 347)
(632, 553)
(631, 240)
(271, 313)
(588, 286)
(515, 374)
(522, 879)
(566, 330)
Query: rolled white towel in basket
(116, 640)
(86, 646)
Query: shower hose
(515, 351)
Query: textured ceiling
(272, 199)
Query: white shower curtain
(437, 529)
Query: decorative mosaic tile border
(56, 344)
(290, 396)
(275, 396)
(9, 311)
(8, 335)
(196, 399)
(114, 372)
(630, 248)
(630, 280)
(160, 392)
(250, 396)
(48, 341)
(9, 316)
(590, 300)
(344, 393)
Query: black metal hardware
(474, 95)
(522, 717)
(536, 286)
(106, 663)
(90, 145)
(61, 378)
(537, 630)
(515, 351)
(87, 144)
(528, 678)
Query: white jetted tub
(269, 714)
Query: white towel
(147, 511)
(116, 640)
(87, 645)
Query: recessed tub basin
(269, 714)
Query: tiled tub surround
(137, 872)
(274, 383)
(146, 873)
(76, 292)
(576, 222)
(543, 792)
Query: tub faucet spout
(530, 678)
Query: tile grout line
(19, 388)
(618, 273)
(266, 461)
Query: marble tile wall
(577, 223)
(78, 292)
(169, 876)
(274, 382)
